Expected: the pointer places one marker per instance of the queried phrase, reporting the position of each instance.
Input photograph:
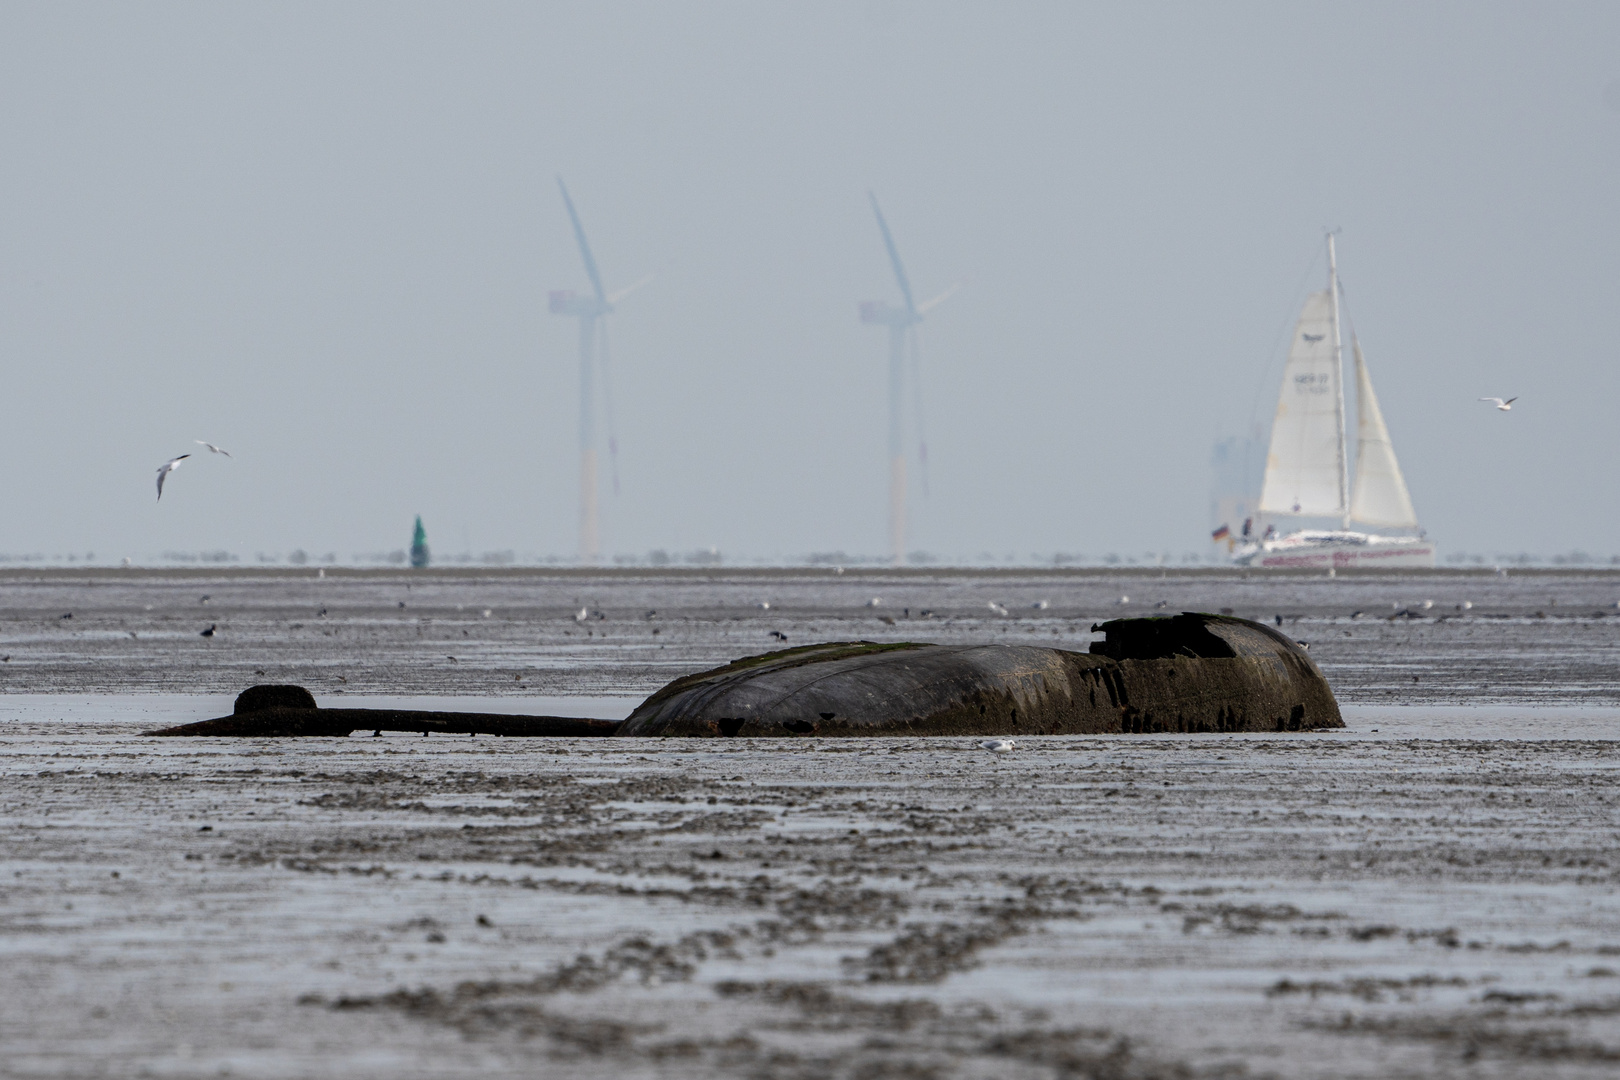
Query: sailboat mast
(1338, 384)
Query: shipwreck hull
(1190, 672)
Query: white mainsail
(1305, 467)
(1380, 496)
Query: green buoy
(419, 546)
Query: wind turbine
(591, 311)
(902, 323)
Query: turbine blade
(894, 256)
(928, 305)
(614, 298)
(584, 247)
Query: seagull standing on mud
(1505, 406)
(212, 448)
(166, 468)
(998, 746)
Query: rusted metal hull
(1188, 673)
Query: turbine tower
(591, 311)
(902, 323)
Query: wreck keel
(286, 711)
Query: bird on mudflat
(211, 447)
(208, 632)
(1505, 406)
(998, 746)
(166, 468)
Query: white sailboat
(1307, 468)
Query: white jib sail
(1305, 468)
(1380, 495)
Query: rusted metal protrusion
(261, 712)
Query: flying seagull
(211, 447)
(167, 468)
(1505, 406)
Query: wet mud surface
(1529, 637)
(1430, 892)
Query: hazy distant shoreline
(464, 572)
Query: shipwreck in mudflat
(1188, 672)
(1183, 673)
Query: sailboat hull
(1338, 551)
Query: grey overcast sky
(322, 235)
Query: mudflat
(1428, 892)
